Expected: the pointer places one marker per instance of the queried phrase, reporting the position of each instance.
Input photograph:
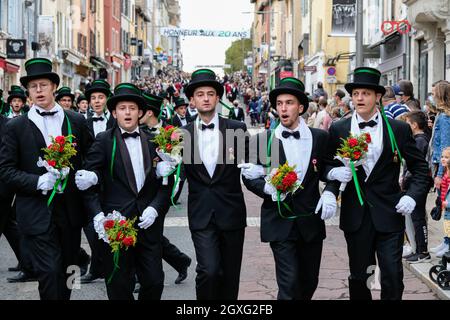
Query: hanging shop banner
(45, 36)
(344, 17)
(177, 32)
(16, 48)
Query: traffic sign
(331, 71)
(331, 79)
(310, 68)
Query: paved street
(258, 273)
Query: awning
(99, 62)
(11, 67)
(384, 40)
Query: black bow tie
(46, 113)
(130, 135)
(153, 129)
(97, 119)
(82, 112)
(371, 123)
(287, 134)
(209, 126)
(182, 118)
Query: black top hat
(153, 102)
(39, 68)
(81, 97)
(365, 77)
(201, 78)
(99, 85)
(180, 102)
(64, 92)
(291, 86)
(126, 92)
(16, 92)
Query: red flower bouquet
(120, 233)
(57, 159)
(352, 153)
(170, 145)
(285, 180)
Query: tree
(236, 53)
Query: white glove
(85, 179)
(406, 205)
(328, 204)
(272, 191)
(163, 168)
(341, 174)
(47, 181)
(99, 227)
(148, 217)
(251, 171)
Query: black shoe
(409, 256)
(419, 257)
(183, 273)
(88, 278)
(14, 269)
(21, 277)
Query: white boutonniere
(231, 154)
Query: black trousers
(297, 265)
(362, 246)
(53, 252)
(173, 256)
(219, 257)
(418, 217)
(143, 261)
(96, 266)
(8, 226)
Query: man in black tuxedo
(375, 227)
(52, 232)
(124, 179)
(179, 119)
(101, 120)
(65, 98)
(295, 237)
(216, 207)
(191, 112)
(170, 253)
(238, 111)
(97, 95)
(16, 100)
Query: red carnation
(119, 236)
(108, 224)
(366, 148)
(168, 147)
(51, 163)
(122, 222)
(60, 140)
(168, 127)
(357, 155)
(289, 179)
(368, 138)
(128, 241)
(61, 148)
(353, 142)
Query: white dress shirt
(100, 126)
(134, 147)
(208, 143)
(297, 151)
(183, 121)
(376, 134)
(50, 126)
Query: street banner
(45, 36)
(177, 32)
(344, 18)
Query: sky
(211, 15)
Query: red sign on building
(285, 74)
